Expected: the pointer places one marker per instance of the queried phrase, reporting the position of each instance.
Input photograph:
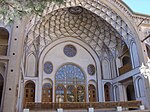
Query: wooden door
(29, 93)
(47, 93)
(92, 93)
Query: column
(13, 72)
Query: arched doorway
(70, 84)
(1, 88)
(29, 92)
(107, 92)
(130, 92)
(92, 93)
(47, 92)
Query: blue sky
(140, 6)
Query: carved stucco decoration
(98, 25)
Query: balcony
(126, 68)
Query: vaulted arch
(99, 9)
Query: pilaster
(13, 71)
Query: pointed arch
(106, 69)
(31, 65)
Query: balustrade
(82, 105)
(124, 69)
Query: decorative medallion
(91, 69)
(70, 50)
(75, 10)
(48, 67)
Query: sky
(140, 6)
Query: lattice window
(71, 93)
(70, 84)
(60, 93)
(80, 94)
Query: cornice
(137, 17)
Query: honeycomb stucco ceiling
(86, 26)
(91, 26)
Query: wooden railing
(77, 105)
(125, 68)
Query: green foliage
(12, 9)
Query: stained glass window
(70, 74)
(48, 67)
(70, 84)
(80, 94)
(91, 69)
(60, 93)
(70, 93)
(70, 50)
